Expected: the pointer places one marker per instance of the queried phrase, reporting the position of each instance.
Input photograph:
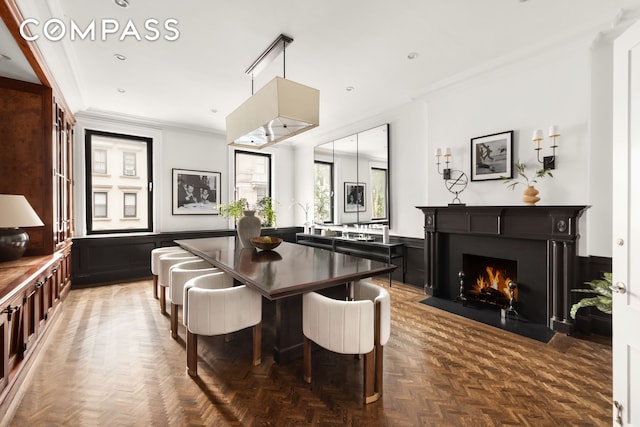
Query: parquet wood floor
(110, 361)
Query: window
(100, 204)
(323, 192)
(130, 203)
(99, 161)
(129, 164)
(379, 193)
(129, 193)
(253, 176)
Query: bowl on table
(266, 243)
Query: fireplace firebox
(532, 246)
(487, 279)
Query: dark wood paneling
(413, 259)
(101, 260)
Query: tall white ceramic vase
(248, 227)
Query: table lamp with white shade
(15, 212)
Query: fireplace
(488, 280)
(533, 246)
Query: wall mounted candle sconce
(455, 180)
(548, 162)
(446, 172)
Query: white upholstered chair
(165, 263)
(155, 263)
(361, 326)
(180, 274)
(210, 308)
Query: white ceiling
(358, 43)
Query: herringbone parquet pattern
(110, 361)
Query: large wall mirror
(352, 179)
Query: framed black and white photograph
(491, 156)
(195, 192)
(354, 197)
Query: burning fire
(496, 279)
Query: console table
(391, 253)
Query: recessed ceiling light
(122, 3)
(412, 55)
(350, 88)
(121, 90)
(3, 56)
(120, 57)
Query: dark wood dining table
(283, 275)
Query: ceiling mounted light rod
(279, 110)
(278, 46)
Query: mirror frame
(339, 202)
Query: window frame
(124, 205)
(124, 163)
(332, 190)
(93, 162)
(269, 174)
(89, 134)
(386, 194)
(106, 204)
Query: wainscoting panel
(102, 260)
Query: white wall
(183, 149)
(569, 87)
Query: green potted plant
(266, 211)
(234, 209)
(602, 299)
(530, 193)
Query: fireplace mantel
(505, 226)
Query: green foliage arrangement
(523, 178)
(602, 299)
(234, 209)
(266, 211)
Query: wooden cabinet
(36, 160)
(36, 140)
(31, 290)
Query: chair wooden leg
(192, 354)
(378, 348)
(163, 299)
(369, 378)
(155, 286)
(257, 344)
(379, 359)
(174, 321)
(307, 360)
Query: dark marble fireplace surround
(541, 239)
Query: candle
(554, 130)
(537, 135)
(447, 152)
(438, 152)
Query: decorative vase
(248, 227)
(530, 196)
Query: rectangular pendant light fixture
(279, 110)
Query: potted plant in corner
(530, 193)
(602, 299)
